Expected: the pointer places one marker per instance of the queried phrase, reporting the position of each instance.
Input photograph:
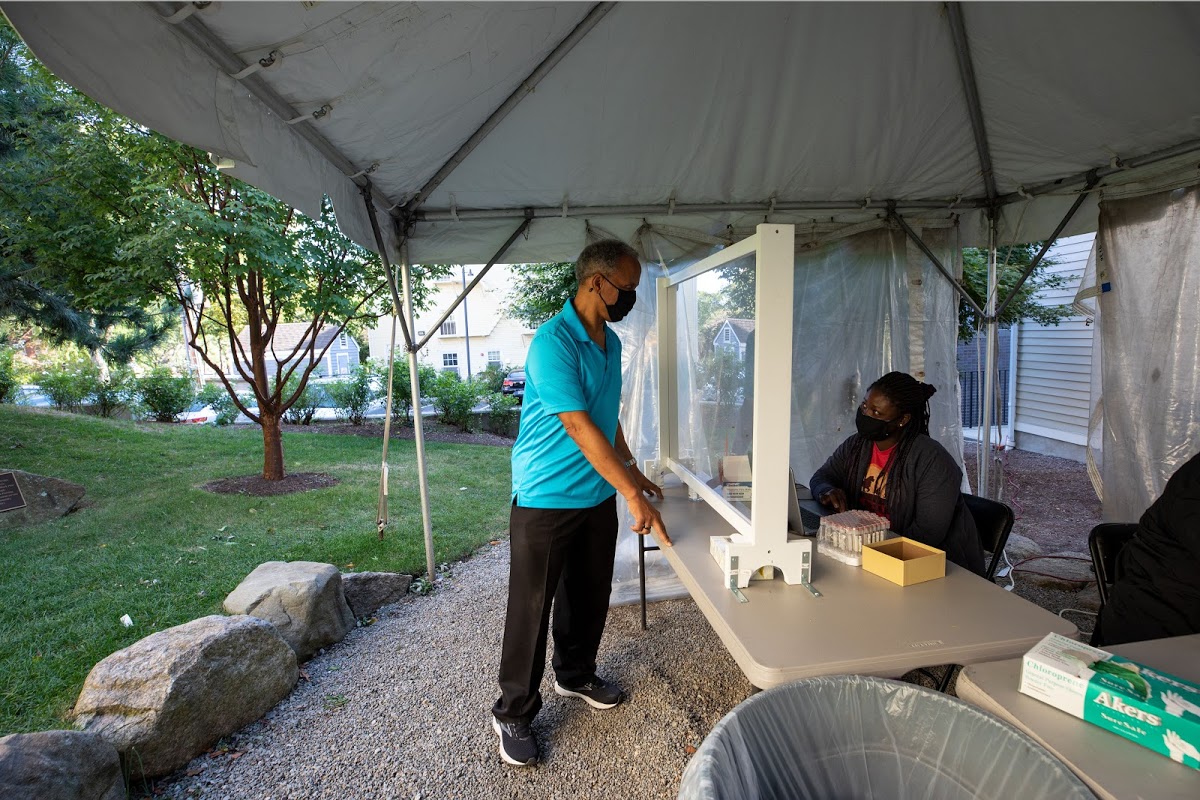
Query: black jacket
(928, 506)
(1158, 593)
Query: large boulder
(1069, 571)
(169, 697)
(1021, 547)
(60, 765)
(302, 599)
(367, 592)
(43, 498)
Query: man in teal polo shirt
(569, 461)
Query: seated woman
(1158, 593)
(892, 468)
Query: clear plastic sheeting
(865, 306)
(862, 737)
(1149, 248)
(639, 420)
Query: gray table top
(861, 624)
(1112, 766)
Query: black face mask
(870, 428)
(624, 304)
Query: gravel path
(400, 709)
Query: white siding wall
(491, 328)
(1054, 365)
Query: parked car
(200, 414)
(514, 384)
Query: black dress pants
(564, 557)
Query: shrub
(8, 377)
(454, 398)
(112, 394)
(69, 385)
(401, 389)
(492, 377)
(352, 397)
(164, 394)
(503, 413)
(217, 397)
(302, 411)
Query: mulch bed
(434, 432)
(255, 486)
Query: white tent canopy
(708, 117)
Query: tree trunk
(272, 449)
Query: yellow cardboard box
(904, 561)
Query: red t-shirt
(873, 492)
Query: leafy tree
(99, 216)
(540, 291)
(1011, 262)
(65, 184)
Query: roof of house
(288, 335)
(742, 328)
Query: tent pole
(937, 263)
(989, 361)
(1048, 243)
(414, 380)
(937, 206)
(381, 519)
(467, 289)
(966, 71)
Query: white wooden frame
(763, 539)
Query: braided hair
(909, 396)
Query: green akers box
(1154, 709)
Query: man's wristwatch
(629, 462)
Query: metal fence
(971, 382)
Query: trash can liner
(852, 736)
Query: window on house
(494, 358)
(342, 340)
(450, 360)
(448, 328)
(728, 334)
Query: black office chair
(994, 522)
(1105, 542)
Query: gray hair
(603, 257)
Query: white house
(1054, 365)
(733, 335)
(479, 332)
(339, 359)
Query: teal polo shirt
(565, 371)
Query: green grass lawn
(152, 544)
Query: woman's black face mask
(872, 428)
